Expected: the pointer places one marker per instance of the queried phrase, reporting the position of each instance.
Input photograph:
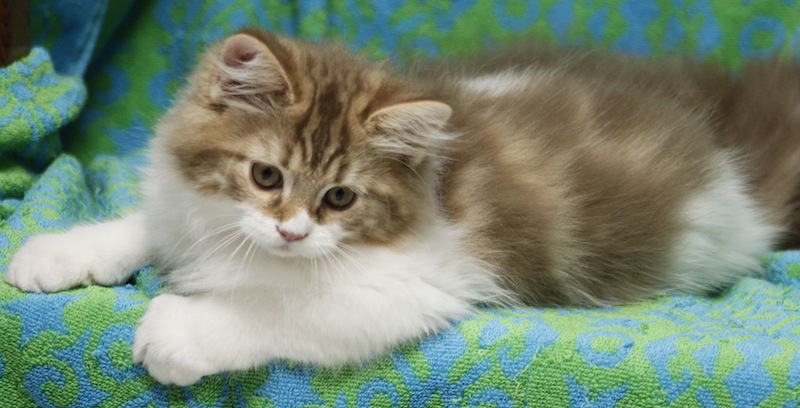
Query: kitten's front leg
(106, 254)
(168, 339)
(181, 339)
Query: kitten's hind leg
(106, 254)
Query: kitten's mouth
(284, 250)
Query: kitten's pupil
(266, 176)
(340, 198)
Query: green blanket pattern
(73, 349)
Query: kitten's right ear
(249, 76)
(411, 129)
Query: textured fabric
(73, 349)
(35, 102)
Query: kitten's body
(621, 177)
(557, 182)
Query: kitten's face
(315, 149)
(308, 203)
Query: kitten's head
(315, 147)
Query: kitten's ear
(411, 129)
(249, 75)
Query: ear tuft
(249, 76)
(412, 129)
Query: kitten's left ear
(249, 75)
(411, 129)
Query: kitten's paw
(166, 343)
(53, 262)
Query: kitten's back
(584, 178)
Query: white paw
(53, 262)
(166, 343)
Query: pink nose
(290, 236)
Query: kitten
(306, 204)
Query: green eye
(266, 176)
(340, 198)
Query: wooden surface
(14, 31)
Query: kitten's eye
(266, 176)
(340, 198)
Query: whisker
(215, 249)
(247, 238)
(327, 259)
(213, 233)
(341, 250)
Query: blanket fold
(35, 104)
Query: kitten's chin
(291, 250)
(285, 251)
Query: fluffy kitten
(305, 204)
